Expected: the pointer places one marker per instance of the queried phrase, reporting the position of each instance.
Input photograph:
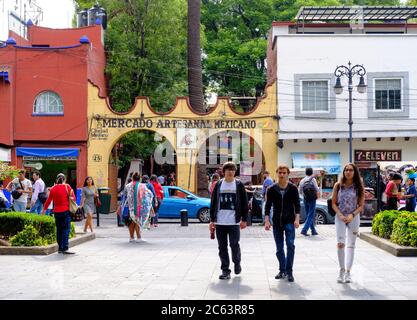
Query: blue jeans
(63, 228)
(285, 263)
(37, 207)
(19, 206)
(310, 210)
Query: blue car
(176, 199)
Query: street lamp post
(349, 72)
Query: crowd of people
(143, 195)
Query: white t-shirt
(226, 215)
(26, 185)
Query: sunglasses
(349, 170)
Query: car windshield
(177, 193)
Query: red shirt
(158, 190)
(59, 195)
(391, 190)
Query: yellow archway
(106, 127)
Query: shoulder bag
(73, 207)
(97, 201)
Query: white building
(313, 124)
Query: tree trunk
(195, 76)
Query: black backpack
(309, 191)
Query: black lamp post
(349, 72)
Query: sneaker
(68, 252)
(290, 277)
(304, 233)
(341, 277)
(348, 279)
(225, 275)
(238, 268)
(315, 233)
(280, 275)
(131, 240)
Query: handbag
(79, 215)
(97, 202)
(15, 193)
(73, 207)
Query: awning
(330, 162)
(47, 152)
(301, 172)
(5, 154)
(396, 165)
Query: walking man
(284, 196)
(309, 189)
(24, 187)
(228, 214)
(39, 195)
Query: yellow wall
(105, 131)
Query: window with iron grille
(48, 102)
(387, 94)
(315, 96)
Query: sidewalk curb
(385, 244)
(46, 250)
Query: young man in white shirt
(228, 214)
(36, 203)
(24, 187)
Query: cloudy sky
(56, 13)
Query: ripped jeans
(350, 232)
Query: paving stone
(182, 263)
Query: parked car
(322, 215)
(176, 199)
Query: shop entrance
(236, 146)
(50, 168)
(138, 151)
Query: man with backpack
(309, 189)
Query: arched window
(48, 102)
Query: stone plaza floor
(182, 263)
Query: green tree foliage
(145, 44)
(84, 4)
(237, 32)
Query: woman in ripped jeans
(347, 201)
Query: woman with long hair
(89, 193)
(60, 194)
(347, 201)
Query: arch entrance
(183, 132)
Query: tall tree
(195, 74)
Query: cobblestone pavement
(182, 263)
